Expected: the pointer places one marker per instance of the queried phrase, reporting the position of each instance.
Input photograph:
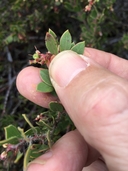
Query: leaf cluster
(65, 43)
(54, 47)
(30, 144)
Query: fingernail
(65, 66)
(39, 162)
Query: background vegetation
(24, 24)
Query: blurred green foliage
(102, 27)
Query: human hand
(94, 93)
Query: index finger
(27, 81)
(110, 61)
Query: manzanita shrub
(49, 125)
(103, 24)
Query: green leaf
(51, 43)
(52, 33)
(55, 107)
(65, 41)
(27, 157)
(79, 47)
(9, 39)
(73, 44)
(69, 7)
(41, 148)
(45, 88)
(53, 93)
(29, 123)
(49, 139)
(18, 157)
(12, 140)
(31, 132)
(11, 131)
(23, 134)
(42, 123)
(94, 13)
(34, 151)
(45, 76)
(37, 150)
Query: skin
(96, 99)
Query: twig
(7, 94)
(15, 108)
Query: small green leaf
(23, 134)
(42, 123)
(12, 140)
(79, 47)
(53, 93)
(51, 43)
(55, 107)
(52, 33)
(18, 157)
(34, 155)
(68, 5)
(43, 87)
(49, 139)
(27, 157)
(31, 132)
(9, 39)
(29, 123)
(11, 131)
(65, 41)
(41, 148)
(37, 150)
(45, 76)
(73, 44)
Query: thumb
(97, 102)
